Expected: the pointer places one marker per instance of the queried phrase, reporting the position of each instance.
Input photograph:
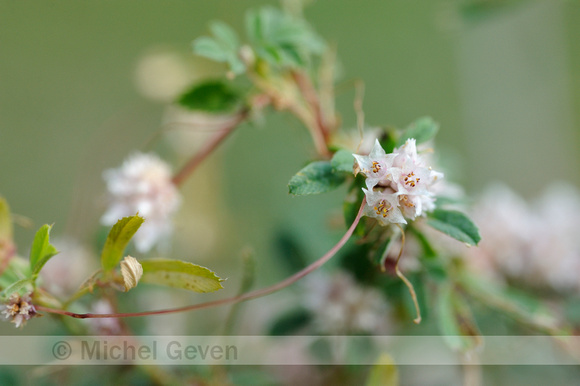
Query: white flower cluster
(143, 184)
(534, 244)
(18, 310)
(399, 184)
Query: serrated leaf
(210, 48)
(42, 250)
(317, 177)
(180, 274)
(212, 96)
(423, 129)
(225, 34)
(117, 240)
(384, 372)
(454, 224)
(342, 161)
(281, 39)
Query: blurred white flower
(143, 184)
(340, 305)
(63, 274)
(18, 310)
(536, 245)
(104, 326)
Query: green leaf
(225, 35)
(212, 96)
(5, 221)
(290, 322)
(518, 305)
(454, 224)
(282, 39)
(42, 250)
(456, 320)
(222, 48)
(423, 129)
(317, 177)
(117, 240)
(342, 161)
(384, 372)
(180, 274)
(16, 287)
(210, 48)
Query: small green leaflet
(317, 177)
(5, 221)
(423, 129)
(212, 96)
(42, 250)
(117, 240)
(180, 274)
(281, 39)
(384, 372)
(16, 287)
(223, 47)
(454, 224)
(342, 161)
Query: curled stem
(409, 285)
(236, 299)
(198, 157)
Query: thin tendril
(417, 320)
(236, 299)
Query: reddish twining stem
(236, 299)
(311, 96)
(198, 158)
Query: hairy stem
(198, 157)
(236, 299)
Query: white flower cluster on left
(143, 184)
(18, 310)
(399, 184)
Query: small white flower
(143, 184)
(375, 166)
(399, 184)
(383, 206)
(18, 310)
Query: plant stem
(236, 299)
(409, 285)
(198, 157)
(311, 97)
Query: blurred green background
(501, 76)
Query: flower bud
(132, 271)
